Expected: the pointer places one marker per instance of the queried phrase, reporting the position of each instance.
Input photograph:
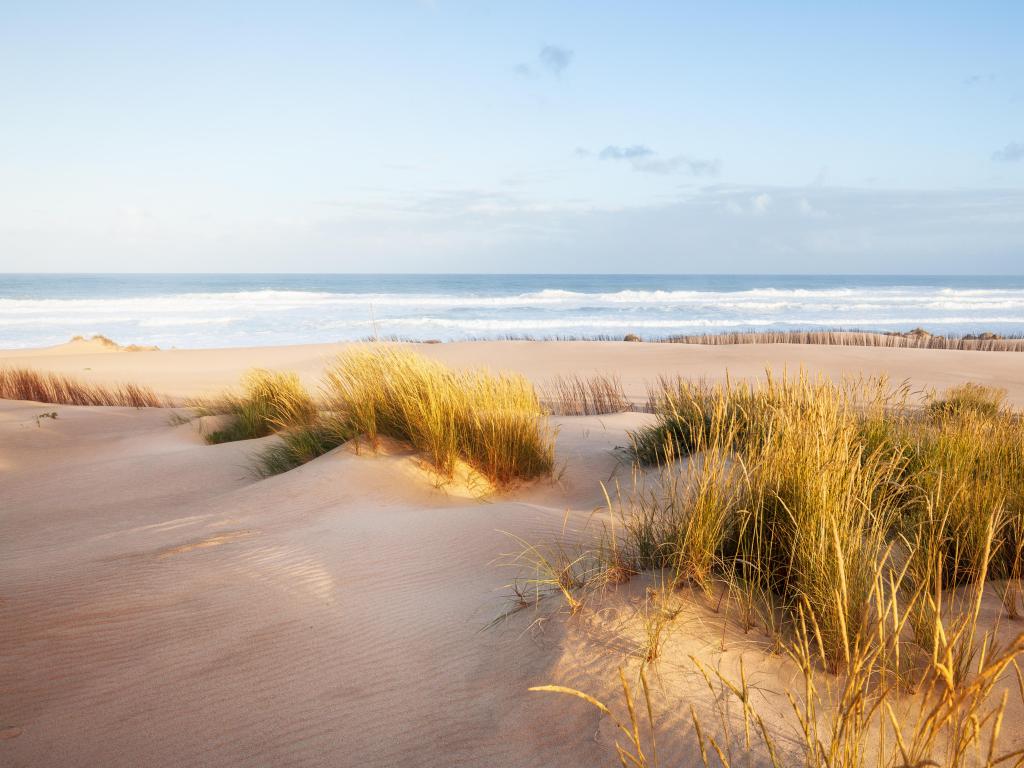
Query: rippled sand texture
(161, 607)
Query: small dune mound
(100, 343)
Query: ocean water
(243, 310)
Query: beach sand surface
(161, 606)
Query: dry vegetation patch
(494, 423)
(269, 401)
(585, 396)
(45, 387)
(854, 529)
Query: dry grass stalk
(269, 401)
(585, 396)
(44, 387)
(861, 533)
(493, 422)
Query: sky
(524, 136)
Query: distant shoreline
(220, 311)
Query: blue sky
(526, 136)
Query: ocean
(232, 310)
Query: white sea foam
(215, 318)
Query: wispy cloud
(977, 79)
(646, 160)
(1011, 153)
(555, 59)
(551, 60)
(693, 166)
(613, 152)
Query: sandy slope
(159, 606)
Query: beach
(162, 605)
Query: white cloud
(646, 160)
(1011, 153)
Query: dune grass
(864, 717)
(969, 397)
(822, 473)
(269, 401)
(585, 396)
(45, 387)
(855, 529)
(492, 422)
(298, 446)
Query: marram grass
(492, 422)
(857, 531)
(45, 387)
(269, 401)
(585, 396)
(298, 446)
(821, 478)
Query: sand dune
(161, 606)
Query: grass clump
(858, 532)
(494, 423)
(582, 396)
(297, 447)
(44, 387)
(824, 477)
(969, 398)
(270, 401)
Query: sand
(162, 607)
(184, 373)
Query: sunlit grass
(269, 401)
(45, 387)
(492, 422)
(585, 395)
(858, 531)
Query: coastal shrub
(45, 387)
(269, 401)
(493, 422)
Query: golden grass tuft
(977, 398)
(269, 401)
(821, 477)
(45, 387)
(298, 446)
(585, 396)
(494, 423)
(858, 531)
